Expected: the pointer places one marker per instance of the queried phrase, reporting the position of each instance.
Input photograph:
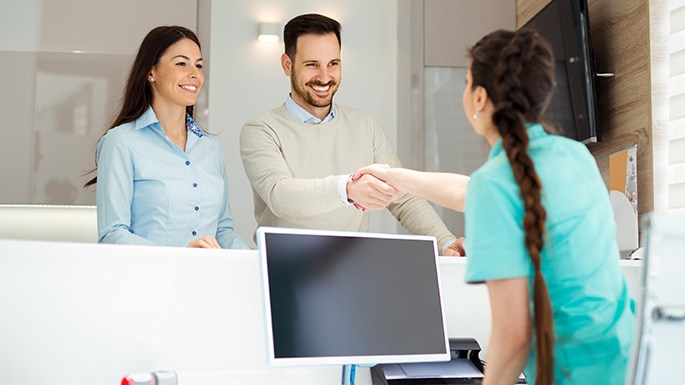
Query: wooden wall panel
(620, 39)
(620, 36)
(526, 9)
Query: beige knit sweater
(294, 169)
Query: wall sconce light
(268, 32)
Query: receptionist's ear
(480, 96)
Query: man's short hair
(305, 24)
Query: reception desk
(87, 314)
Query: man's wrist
(342, 190)
(447, 245)
(448, 242)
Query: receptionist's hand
(380, 171)
(456, 249)
(207, 242)
(371, 193)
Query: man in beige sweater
(300, 156)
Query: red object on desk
(167, 377)
(140, 379)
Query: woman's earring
(475, 115)
(152, 79)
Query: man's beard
(307, 94)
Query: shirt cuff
(446, 245)
(342, 190)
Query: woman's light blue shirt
(150, 192)
(593, 313)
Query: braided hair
(517, 71)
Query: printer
(464, 367)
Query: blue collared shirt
(303, 115)
(150, 192)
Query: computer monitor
(334, 297)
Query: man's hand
(207, 242)
(456, 249)
(370, 193)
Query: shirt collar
(149, 118)
(193, 126)
(303, 115)
(534, 131)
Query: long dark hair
(138, 93)
(517, 70)
(305, 24)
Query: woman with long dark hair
(161, 179)
(540, 230)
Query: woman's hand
(207, 242)
(371, 193)
(380, 171)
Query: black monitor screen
(344, 298)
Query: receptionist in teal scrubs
(540, 229)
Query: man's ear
(286, 64)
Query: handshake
(369, 188)
(374, 187)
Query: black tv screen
(572, 110)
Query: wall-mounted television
(565, 24)
(334, 297)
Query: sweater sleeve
(271, 178)
(413, 213)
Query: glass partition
(451, 145)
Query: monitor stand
(348, 373)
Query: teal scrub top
(593, 312)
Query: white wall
(65, 62)
(21, 31)
(245, 77)
(19, 40)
